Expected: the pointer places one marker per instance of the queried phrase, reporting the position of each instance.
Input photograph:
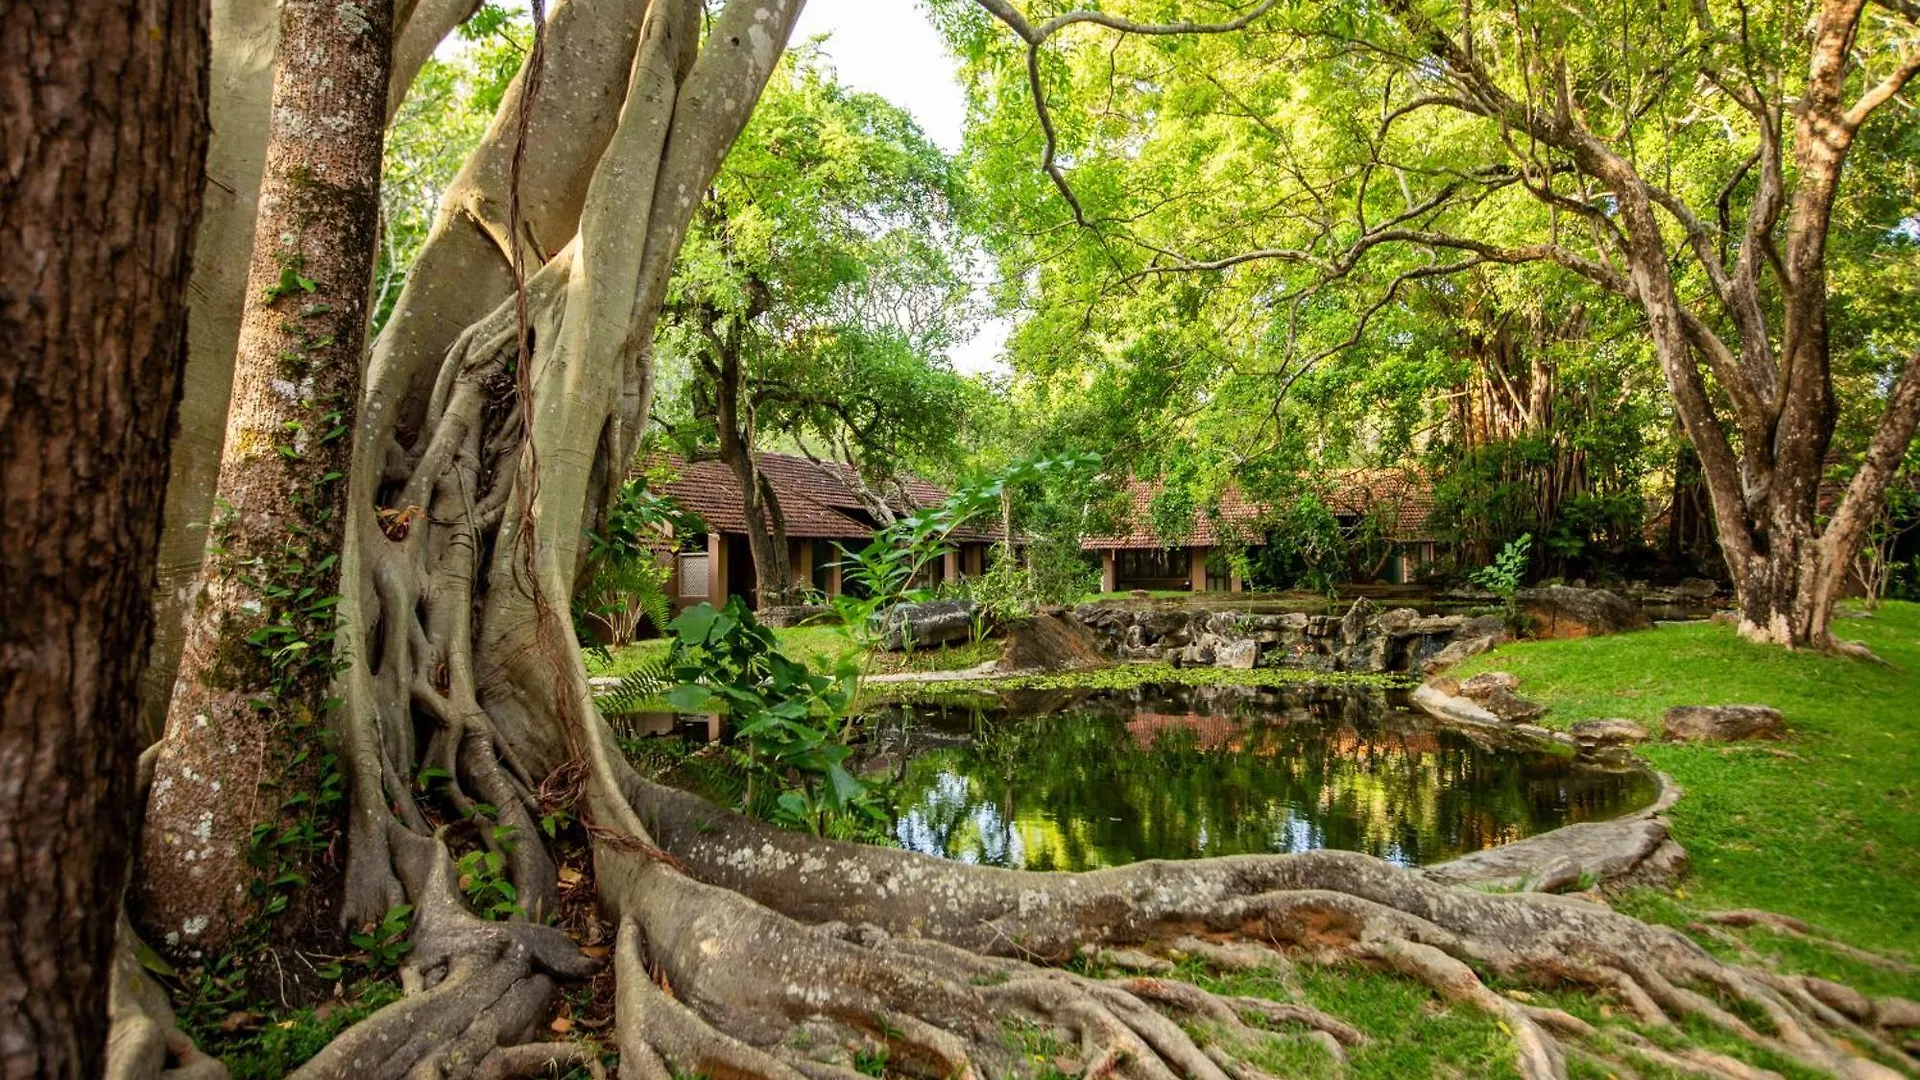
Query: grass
(822, 647)
(1824, 826)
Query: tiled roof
(1404, 496)
(817, 500)
(1208, 529)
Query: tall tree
(817, 292)
(256, 671)
(500, 408)
(1452, 138)
(103, 119)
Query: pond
(1074, 780)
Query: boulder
(1509, 706)
(781, 616)
(1608, 732)
(1694, 588)
(925, 626)
(1241, 653)
(1050, 643)
(1724, 723)
(1457, 650)
(1557, 611)
(1488, 681)
(1353, 625)
(1493, 691)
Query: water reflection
(1097, 779)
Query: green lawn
(822, 647)
(1824, 826)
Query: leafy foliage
(791, 724)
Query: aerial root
(476, 988)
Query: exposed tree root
(1747, 918)
(476, 988)
(143, 1042)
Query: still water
(1074, 780)
(1083, 780)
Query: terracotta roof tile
(817, 500)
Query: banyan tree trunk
(103, 125)
(257, 666)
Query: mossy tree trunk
(242, 750)
(103, 133)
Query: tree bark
(248, 705)
(246, 39)
(103, 131)
(766, 523)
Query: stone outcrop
(1609, 732)
(1561, 611)
(1050, 642)
(1363, 639)
(1487, 699)
(928, 625)
(1724, 723)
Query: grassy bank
(822, 647)
(1824, 826)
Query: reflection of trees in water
(1179, 772)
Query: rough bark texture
(246, 39)
(494, 425)
(766, 523)
(255, 669)
(103, 132)
(246, 43)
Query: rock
(1608, 732)
(1050, 643)
(1241, 653)
(1724, 723)
(1493, 691)
(936, 622)
(1558, 611)
(1694, 588)
(1436, 702)
(1509, 706)
(782, 616)
(1457, 650)
(1353, 625)
(1488, 681)
(1139, 594)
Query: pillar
(1109, 572)
(716, 569)
(1233, 581)
(950, 565)
(1197, 569)
(802, 560)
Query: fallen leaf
(570, 876)
(598, 952)
(561, 1025)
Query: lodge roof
(816, 498)
(1404, 498)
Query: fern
(648, 681)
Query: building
(823, 515)
(1135, 557)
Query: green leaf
(689, 698)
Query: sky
(889, 48)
